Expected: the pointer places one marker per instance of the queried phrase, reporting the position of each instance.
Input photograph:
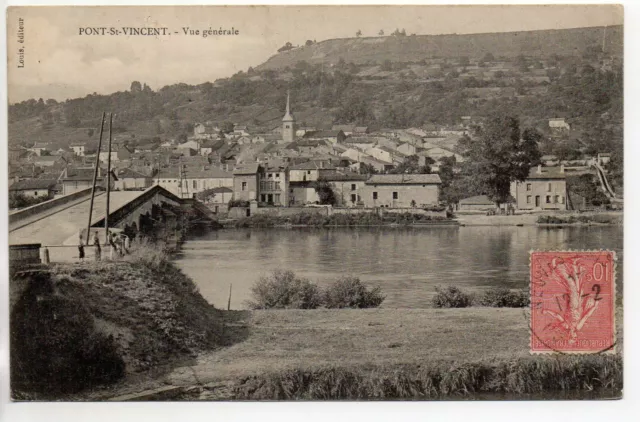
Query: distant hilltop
(407, 48)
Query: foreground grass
(525, 377)
(389, 353)
(281, 340)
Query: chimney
(539, 168)
(561, 168)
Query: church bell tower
(288, 125)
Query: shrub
(501, 297)
(238, 203)
(147, 253)
(451, 297)
(284, 290)
(55, 347)
(349, 292)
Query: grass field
(271, 341)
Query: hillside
(386, 82)
(565, 42)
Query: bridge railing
(22, 214)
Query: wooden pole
(229, 301)
(95, 178)
(106, 216)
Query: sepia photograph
(315, 203)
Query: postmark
(572, 302)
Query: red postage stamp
(572, 302)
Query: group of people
(119, 245)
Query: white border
(476, 411)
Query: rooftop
(246, 169)
(477, 200)
(404, 179)
(547, 173)
(30, 184)
(194, 172)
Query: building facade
(401, 190)
(245, 182)
(273, 188)
(544, 189)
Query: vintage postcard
(315, 202)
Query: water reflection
(406, 263)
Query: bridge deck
(57, 227)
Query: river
(407, 263)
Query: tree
(411, 165)
(488, 57)
(354, 109)
(308, 43)
(288, 46)
(358, 33)
(324, 191)
(386, 66)
(499, 154)
(135, 87)
(226, 127)
(381, 32)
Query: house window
(276, 198)
(353, 197)
(529, 187)
(244, 185)
(548, 199)
(528, 199)
(308, 171)
(556, 199)
(562, 199)
(277, 186)
(395, 195)
(195, 184)
(35, 193)
(263, 197)
(277, 175)
(353, 186)
(375, 195)
(270, 175)
(548, 187)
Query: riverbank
(85, 325)
(364, 219)
(545, 219)
(289, 354)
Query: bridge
(58, 223)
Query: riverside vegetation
(317, 220)
(496, 297)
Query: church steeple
(288, 124)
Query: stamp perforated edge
(612, 349)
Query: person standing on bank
(114, 246)
(81, 248)
(96, 246)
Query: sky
(61, 63)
